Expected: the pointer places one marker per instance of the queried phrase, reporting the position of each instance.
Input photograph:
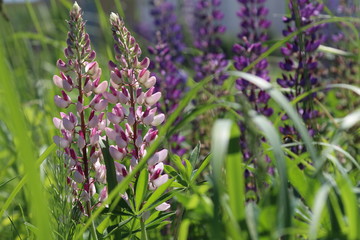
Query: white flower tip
(163, 207)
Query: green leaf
(351, 206)
(15, 120)
(184, 229)
(350, 120)
(171, 171)
(104, 224)
(219, 148)
(195, 154)
(319, 204)
(141, 187)
(305, 185)
(202, 167)
(235, 175)
(159, 219)
(335, 51)
(284, 215)
(251, 220)
(110, 168)
(188, 169)
(176, 160)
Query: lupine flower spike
(207, 31)
(300, 60)
(171, 82)
(134, 117)
(83, 126)
(254, 26)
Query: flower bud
(62, 66)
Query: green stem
(93, 230)
(143, 229)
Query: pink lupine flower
(133, 85)
(80, 135)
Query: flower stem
(143, 229)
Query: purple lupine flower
(211, 61)
(134, 117)
(166, 23)
(254, 26)
(300, 60)
(81, 129)
(171, 82)
(338, 36)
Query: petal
(163, 207)
(158, 119)
(158, 157)
(57, 122)
(153, 99)
(161, 180)
(101, 88)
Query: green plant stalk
(143, 229)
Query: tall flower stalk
(170, 31)
(300, 61)
(254, 26)
(207, 30)
(134, 117)
(83, 126)
(167, 52)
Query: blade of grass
(235, 176)
(319, 204)
(284, 206)
(24, 180)
(16, 122)
(220, 138)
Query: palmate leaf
(176, 160)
